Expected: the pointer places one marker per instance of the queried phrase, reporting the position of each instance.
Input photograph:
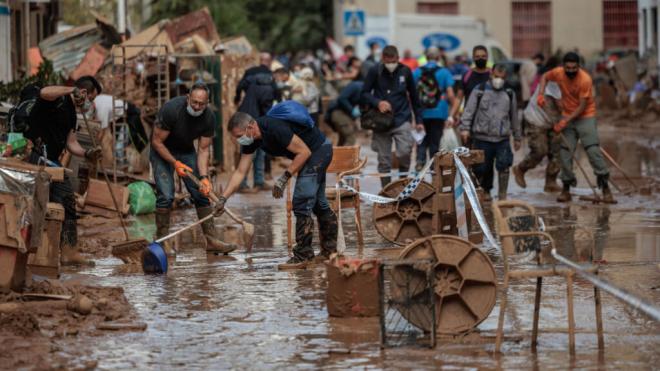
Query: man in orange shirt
(578, 123)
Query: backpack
(428, 88)
(18, 116)
(293, 111)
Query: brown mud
(240, 312)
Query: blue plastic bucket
(155, 259)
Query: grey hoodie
(496, 117)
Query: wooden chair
(345, 161)
(518, 227)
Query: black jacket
(396, 88)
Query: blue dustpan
(155, 259)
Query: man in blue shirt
(435, 90)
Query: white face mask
(245, 140)
(391, 66)
(193, 113)
(497, 83)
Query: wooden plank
(56, 173)
(46, 261)
(98, 194)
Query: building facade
(527, 27)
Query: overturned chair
(345, 161)
(522, 236)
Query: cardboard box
(352, 288)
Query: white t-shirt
(104, 114)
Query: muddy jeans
(498, 153)
(542, 143)
(584, 130)
(164, 178)
(345, 127)
(403, 144)
(309, 197)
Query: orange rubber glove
(181, 168)
(540, 100)
(561, 125)
(205, 186)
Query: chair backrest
(344, 159)
(516, 216)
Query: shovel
(248, 228)
(135, 245)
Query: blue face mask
(245, 140)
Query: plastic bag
(449, 140)
(291, 111)
(141, 198)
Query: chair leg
(571, 318)
(358, 222)
(500, 319)
(289, 222)
(537, 308)
(599, 319)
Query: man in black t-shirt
(180, 122)
(311, 153)
(52, 130)
(479, 74)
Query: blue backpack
(291, 111)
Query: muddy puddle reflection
(239, 311)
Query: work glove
(561, 125)
(182, 168)
(220, 205)
(280, 184)
(93, 154)
(205, 186)
(540, 100)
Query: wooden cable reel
(465, 283)
(402, 222)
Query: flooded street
(240, 312)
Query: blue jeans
(309, 191)
(258, 168)
(164, 178)
(498, 153)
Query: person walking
(390, 89)
(490, 118)
(343, 112)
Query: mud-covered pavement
(241, 312)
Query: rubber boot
(163, 228)
(328, 234)
(551, 185)
(303, 253)
(519, 175)
(603, 184)
(213, 244)
(565, 195)
(502, 184)
(385, 181)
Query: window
(427, 7)
(620, 24)
(531, 28)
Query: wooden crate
(46, 261)
(98, 194)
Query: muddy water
(241, 312)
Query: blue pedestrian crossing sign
(354, 22)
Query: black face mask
(480, 63)
(571, 74)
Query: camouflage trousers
(542, 143)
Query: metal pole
(624, 296)
(26, 35)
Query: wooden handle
(213, 197)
